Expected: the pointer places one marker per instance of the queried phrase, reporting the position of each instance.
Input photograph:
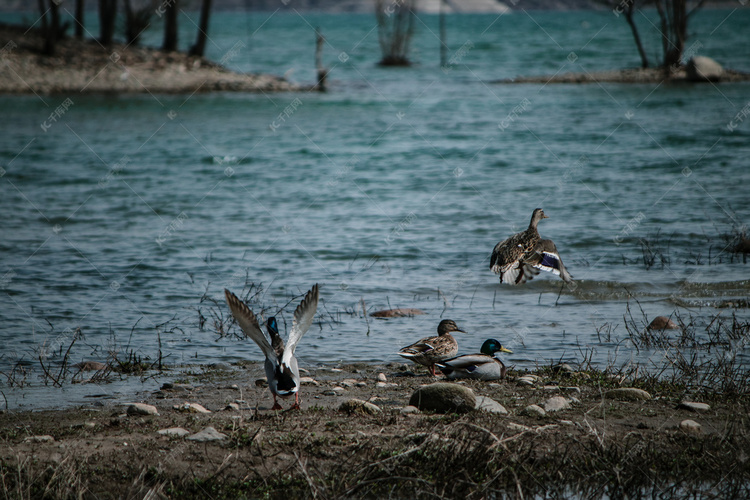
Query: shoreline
(596, 443)
(626, 76)
(86, 67)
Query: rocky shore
(369, 431)
(89, 68)
(630, 75)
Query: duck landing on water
(523, 255)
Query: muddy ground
(599, 447)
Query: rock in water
(663, 323)
(704, 69)
(443, 397)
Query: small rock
(191, 408)
(386, 384)
(359, 406)
(487, 404)
(663, 323)
(329, 392)
(169, 386)
(697, 407)
(308, 381)
(207, 434)
(518, 427)
(526, 381)
(409, 409)
(571, 389)
(691, 426)
(628, 394)
(349, 382)
(232, 407)
(550, 387)
(46, 438)
(703, 69)
(142, 409)
(382, 377)
(89, 366)
(338, 389)
(361, 383)
(443, 397)
(534, 411)
(563, 368)
(174, 432)
(261, 382)
(556, 403)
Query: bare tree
(395, 29)
(170, 10)
(200, 42)
(137, 19)
(50, 27)
(107, 17)
(628, 9)
(79, 18)
(674, 15)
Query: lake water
(391, 189)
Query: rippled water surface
(390, 190)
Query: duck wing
(546, 258)
(419, 347)
(468, 362)
(303, 318)
(508, 256)
(249, 324)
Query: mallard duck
(430, 350)
(484, 366)
(281, 367)
(523, 255)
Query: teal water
(392, 188)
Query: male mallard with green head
(431, 350)
(484, 366)
(282, 371)
(523, 255)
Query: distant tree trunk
(170, 27)
(673, 15)
(628, 13)
(51, 28)
(136, 22)
(107, 16)
(200, 42)
(395, 29)
(79, 18)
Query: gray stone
(487, 404)
(382, 378)
(174, 432)
(628, 394)
(308, 381)
(534, 411)
(409, 409)
(692, 406)
(359, 406)
(142, 409)
(703, 69)
(691, 426)
(556, 403)
(232, 407)
(526, 381)
(191, 408)
(207, 434)
(443, 397)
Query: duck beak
(503, 349)
(545, 216)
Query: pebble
(174, 432)
(697, 407)
(359, 406)
(534, 411)
(191, 408)
(261, 382)
(169, 386)
(46, 438)
(556, 403)
(518, 427)
(691, 426)
(349, 382)
(409, 409)
(563, 367)
(338, 389)
(382, 377)
(386, 384)
(142, 409)
(232, 407)
(308, 381)
(487, 404)
(628, 394)
(551, 387)
(329, 392)
(207, 434)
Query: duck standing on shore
(282, 371)
(431, 350)
(484, 366)
(521, 257)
